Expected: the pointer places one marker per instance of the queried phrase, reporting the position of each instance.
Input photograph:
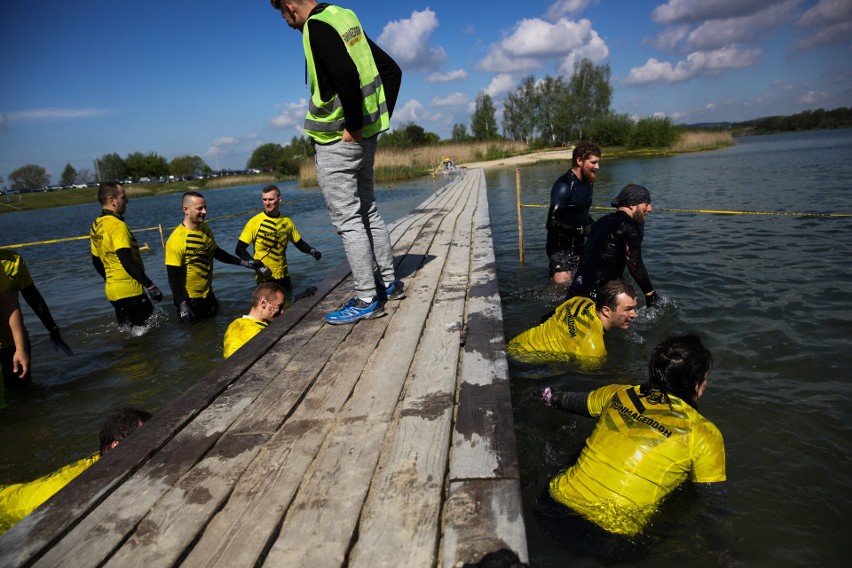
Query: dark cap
(632, 194)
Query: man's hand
(354, 136)
(547, 396)
(650, 299)
(258, 267)
(58, 344)
(155, 292)
(20, 363)
(316, 254)
(185, 312)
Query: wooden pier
(386, 443)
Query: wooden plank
(401, 518)
(483, 515)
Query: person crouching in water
(267, 303)
(648, 440)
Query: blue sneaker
(396, 291)
(354, 310)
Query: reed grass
(693, 140)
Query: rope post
(162, 240)
(520, 215)
(435, 181)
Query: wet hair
(106, 190)
(265, 290)
(120, 425)
(609, 292)
(678, 365)
(191, 194)
(583, 151)
(271, 187)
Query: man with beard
(568, 219)
(615, 241)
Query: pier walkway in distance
(385, 443)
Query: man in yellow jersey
(354, 86)
(190, 251)
(115, 256)
(12, 323)
(16, 269)
(575, 331)
(267, 302)
(19, 500)
(269, 232)
(648, 440)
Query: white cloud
(457, 75)
(829, 22)
(408, 41)
(454, 99)
(55, 114)
(717, 33)
(813, 97)
(671, 38)
(566, 8)
(696, 64)
(411, 111)
(502, 83)
(695, 11)
(498, 61)
(293, 115)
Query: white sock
(368, 300)
(389, 284)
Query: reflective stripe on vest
(324, 121)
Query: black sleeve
(573, 402)
(99, 266)
(125, 256)
(225, 257)
(390, 73)
(634, 262)
(336, 72)
(303, 246)
(242, 251)
(176, 283)
(35, 300)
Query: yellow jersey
(239, 332)
(110, 234)
(269, 236)
(639, 451)
(193, 252)
(15, 277)
(574, 333)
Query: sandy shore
(525, 159)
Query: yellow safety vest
(324, 121)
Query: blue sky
(217, 78)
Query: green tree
(483, 124)
(653, 132)
(266, 157)
(30, 176)
(69, 175)
(589, 93)
(110, 167)
(141, 165)
(611, 129)
(297, 151)
(408, 135)
(460, 133)
(183, 166)
(84, 176)
(520, 111)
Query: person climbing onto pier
(115, 256)
(190, 251)
(269, 232)
(575, 331)
(568, 219)
(267, 302)
(354, 87)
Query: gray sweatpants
(345, 176)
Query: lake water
(765, 291)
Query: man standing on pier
(190, 251)
(354, 87)
(568, 219)
(115, 256)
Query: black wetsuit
(567, 221)
(615, 241)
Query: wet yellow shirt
(640, 450)
(239, 332)
(19, 500)
(108, 235)
(269, 236)
(574, 333)
(193, 252)
(15, 278)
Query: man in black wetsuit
(568, 219)
(615, 241)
